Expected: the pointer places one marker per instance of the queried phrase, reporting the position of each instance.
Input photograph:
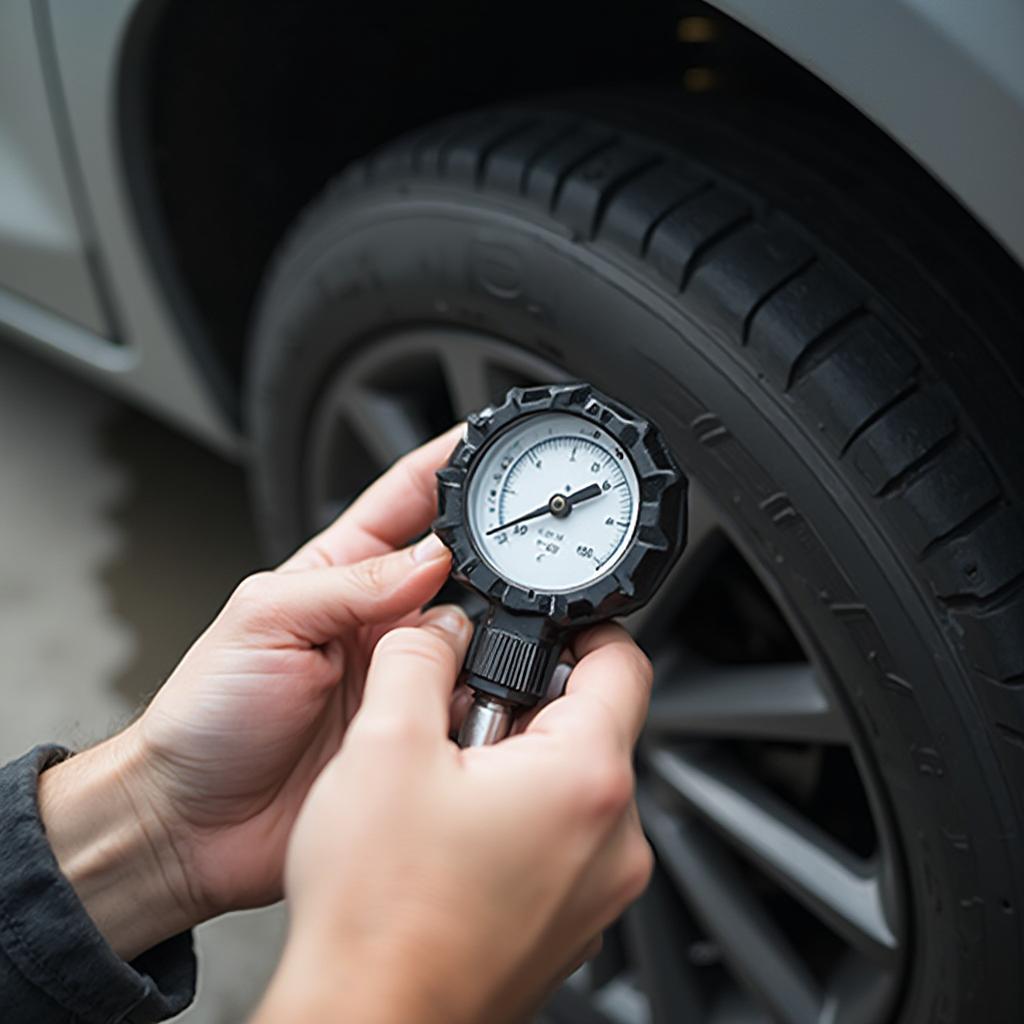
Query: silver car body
(943, 78)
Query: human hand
(204, 788)
(434, 884)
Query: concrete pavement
(119, 539)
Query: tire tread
(810, 329)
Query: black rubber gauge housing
(516, 646)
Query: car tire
(839, 371)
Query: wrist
(113, 847)
(324, 983)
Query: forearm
(113, 849)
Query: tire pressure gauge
(561, 508)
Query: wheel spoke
(465, 369)
(387, 425)
(860, 992)
(569, 1006)
(758, 953)
(654, 935)
(773, 702)
(840, 888)
(610, 962)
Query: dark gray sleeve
(55, 966)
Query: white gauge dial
(553, 503)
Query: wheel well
(244, 109)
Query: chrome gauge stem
(487, 721)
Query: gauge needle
(583, 494)
(557, 505)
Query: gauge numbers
(553, 503)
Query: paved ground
(118, 541)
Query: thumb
(411, 678)
(317, 605)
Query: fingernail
(449, 617)
(429, 549)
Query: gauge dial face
(553, 503)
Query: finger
(620, 872)
(608, 691)
(317, 605)
(412, 618)
(411, 678)
(555, 689)
(611, 667)
(396, 507)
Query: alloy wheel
(778, 893)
